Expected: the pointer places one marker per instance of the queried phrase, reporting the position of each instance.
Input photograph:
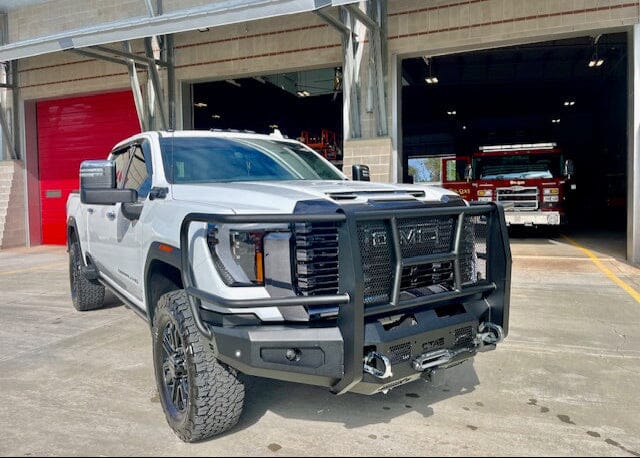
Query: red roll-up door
(70, 131)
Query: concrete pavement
(563, 383)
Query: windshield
(518, 166)
(216, 159)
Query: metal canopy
(211, 15)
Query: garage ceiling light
(569, 103)
(595, 62)
(304, 93)
(216, 116)
(430, 79)
(452, 112)
(556, 121)
(200, 105)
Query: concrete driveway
(564, 382)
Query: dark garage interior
(295, 103)
(571, 92)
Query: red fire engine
(533, 181)
(325, 144)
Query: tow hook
(489, 335)
(379, 373)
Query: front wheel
(201, 397)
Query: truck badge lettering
(418, 236)
(379, 238)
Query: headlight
(246, 248)
(237, 254)
(485, 192)
(551, 191)
(548, 198)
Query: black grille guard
(352, 311)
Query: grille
(473, 249)
(400, 352)
(316, 258)
(420, 276)
(375, 250)
(521, 198)
(420, 237)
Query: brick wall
(12, 201)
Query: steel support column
(375, 21)
(8, 80)
(377, 61)
(155, 94)
(633, 155)
(135, 88)
(171, 79)
(351, 78)
(395, 75)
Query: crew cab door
(115, 230)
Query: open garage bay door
(489, 109)
(69, 131)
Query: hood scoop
(376, 195)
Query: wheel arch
(72, 231)
(162, 274)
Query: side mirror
(569, 168)
(98, 175)
(98, 184)
(360, 172)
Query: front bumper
(406, 327)
(551, 218)
(315, 356)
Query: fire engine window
(455, 169)
(519, 166)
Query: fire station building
(394, 84)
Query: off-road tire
(215, 395)
(86, 294)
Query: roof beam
(136, 58)
(213, 14)
(333, 22)
(362, 17)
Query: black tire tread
(216, 393)
(90, 293)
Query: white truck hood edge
(282, 196)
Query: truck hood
(282, 196)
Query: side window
(138, 175)
(121, 159)
(455, 169)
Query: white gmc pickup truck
(251, 254)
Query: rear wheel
(86, 294)
(201, 397)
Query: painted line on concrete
(30, 269)
(617, 280)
